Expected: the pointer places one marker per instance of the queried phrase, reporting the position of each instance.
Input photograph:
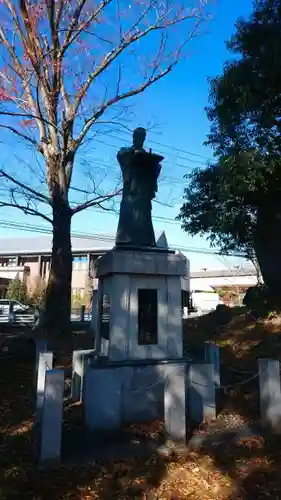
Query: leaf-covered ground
(248, 469)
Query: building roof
(43, 244)
(225, 273)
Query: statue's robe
(140, 171)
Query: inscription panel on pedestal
(104, 316)
(147, 316)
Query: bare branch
(19, 66)
(74, 30)
(22, 136)
(39, 196)
(36, 40)
(96, 202)
(119, 98)
(127, 41)
(26, 210)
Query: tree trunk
(267, 242)
(58, 294)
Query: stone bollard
(201, 393)
(270, 394)
(212, 356)
(45, 363)
(174, 404)
(51, 422)
(40, 346)
(80, 362)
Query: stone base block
(139, 262)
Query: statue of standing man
(140, 171)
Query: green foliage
(245, 101)
(272, 315)
(212, 207)
(235, 202)
(257, 300)
(223, 314)
(255, 295)
(17, 290)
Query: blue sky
(175, 107)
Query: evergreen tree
(17, 290)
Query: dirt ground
(248, 469)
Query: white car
(17, 306)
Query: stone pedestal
(139, 291)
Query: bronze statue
(140, 171)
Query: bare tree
(65, 67)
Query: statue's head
(139, 135)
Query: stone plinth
(122, 274)
(118, 393)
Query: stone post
(174, 404)
(212, 356)
(40, 346)
(80, 361)
(45, 363)
(51, 424)
(270, 394)
(201, 393)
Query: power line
(186, 167)
(167, 220)
(170, 154)
(127, 132)
(101, 237)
